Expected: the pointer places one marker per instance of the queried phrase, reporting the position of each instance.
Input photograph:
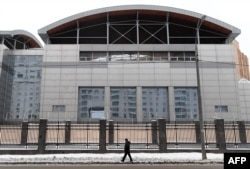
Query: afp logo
(236, 160)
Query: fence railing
(44, 136)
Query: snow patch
(113, 158)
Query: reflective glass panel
(123, 103)
(186, 103)
(24, 80)
(90, 103)
(123, 56)
(154, 102)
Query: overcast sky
(31, 15)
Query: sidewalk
(112, 158)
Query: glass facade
(186, 103)
(24, 73)
(154, 102)
(90, 103)
(158, 56)
(123, 102)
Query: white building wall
(218, 81)
(59, 82)
(244, 94)
(63, 74)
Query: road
(117, 166)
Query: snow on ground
(111, 158)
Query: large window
(93, 56)
(102, 56)
(123, 102)
(154, 102)
(186, 103)
(24, 87)
(91, 103)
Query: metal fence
(10, 134)
(143, 136)
(140, 135)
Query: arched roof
(19, 39)
(173, 15)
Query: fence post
(220, 134)
(67, 132)
(154, 131)
(42, 135)
(242, 131)
(111, 132)
(24, 134)
(162, 135)
(102, 136)
(197, 132)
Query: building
(129, 63)
(241, 62)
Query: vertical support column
(162, 135)
(24, 134)
(14, 45)
(220, 134)
(197, 132)
(154, 131)
(2, 42)
(139, 104)
(77, 32)
(108, 24)
(102, 136)
(137, 29)
(107, 102)
(242, 132)
(167, 28)
(42, 135)
(67, 132)
(111, 132)
(171, 101)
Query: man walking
(127, 150)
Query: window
(93, 56)
(85, 56)
(182, 56)
(123, 102)
(154, 102)
(222, 109)
(123, 56)
(24, 80)
(90, 102)
(58, 108)
(144, 56)
(186, 103)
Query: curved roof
(172, 15)
(19, 39)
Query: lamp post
(203, 151)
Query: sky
(31, 15)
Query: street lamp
(203, 151)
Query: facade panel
(143, 70)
